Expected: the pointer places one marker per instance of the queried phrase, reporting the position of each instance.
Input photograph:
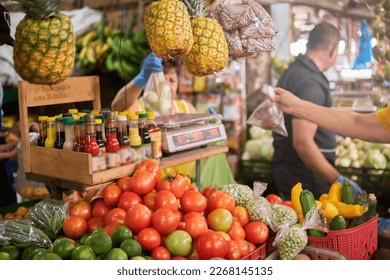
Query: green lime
(148, 258)
(5, 256)
(131, 247)
(63, 248)
(83, 252)
(87, 241)
(138, 258)
(98, 230)
(38, 254)
(116, 254)
(51, 256)
(100, 243)
(27, 252)
(120, 234)
(12, 250)
(83, 238)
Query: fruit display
(44, 45)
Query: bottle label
(147, 150)
(125, 155)
(95, 164)
(155, 138)
(136, 154)
(102, 160)
(113, 159)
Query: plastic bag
(268, 115)
(292, 238)
(157, 95)
(26, 188)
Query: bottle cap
(98, 121)
(59, 119)
(66, 115)
(51, 119)
(42, 118)
(143, 116)
(73, 111)
(134, 117)
(68, 121)
(89, 118)
(122, 118)
(151, 115)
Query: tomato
(149, 238)
(273, 198)
(193, 214)
(110, 228)
(160, 253)
(99, 208)
(164, 221)
(244, 246)
(236, 231)
(233, 252)
(138, 217)
(220, 219)
(256, 232)
(124, 183)
(82, 209)
(180, 258)
(178, 215)
(175, 183)
(210, 245)
(142, 182)
(94, 223)
(115, 215)
(111, 195)
(127, 199)
(221, 199)
(208, 191)
(193, 201)
(166, 199)
(74, 226)
(241, 215)
(195, 227)
(151, 166)
(179, 243)
(288, 203)
(181, 226)
(148, 200)
(224, 235)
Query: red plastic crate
(258, 254)
(358, 243)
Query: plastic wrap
(157, 95)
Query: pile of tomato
(169, 217)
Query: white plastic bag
(157, 95)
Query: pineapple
(44, 43)
(209, 53)
(168, 28)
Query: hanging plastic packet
(157, 95)
(292, 238)
(268, 115)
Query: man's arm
(126, 97)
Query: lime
(12, 250)
(148, 258)
(83, 238)
(138, 258)
(131, 247)
(120, 234)
(98, 230)
(100, 243)
(38, 254)
(116, 254)
(83, 252)
(27, 252)
(63, 248)
(51, 256)
(87, 241)
(5, 256)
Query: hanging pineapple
(168, 28)
(209, 53)
(44, 43)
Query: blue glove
(357, 188)
(152, 63)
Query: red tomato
(82, 209)
(288, 203)
(273, 198)
(256, 232)
(124, 183)
(220, 219)
(210, 245)
(233, 252)
(241, 215)
(138, 217)
(115, 215)
(195, 227)
(142, 182)
(111, 195)
(94, 223)
(208, 191)
(99, 208)
(74, 226)
(151, 166)
(193, 214)
(236, 231)
(149, 238)
(160, 253)
(178, 215)
(173, 182)
(221, 199)
(193, 201)
(164, 220)
(180, 258)
(109, 229)
(166, 199)
(244, 246)
(148, 200)
(181, 226)
(127, 199)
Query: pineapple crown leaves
(40, 9)
(196, 8)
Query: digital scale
(180, 132)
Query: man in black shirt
(307, 155)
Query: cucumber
(338, 223)
(348, 193)
(370, 201)
(307, 203)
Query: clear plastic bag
(268, 115)
(26, 188)
(157, 95)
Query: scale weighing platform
(181, 132)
